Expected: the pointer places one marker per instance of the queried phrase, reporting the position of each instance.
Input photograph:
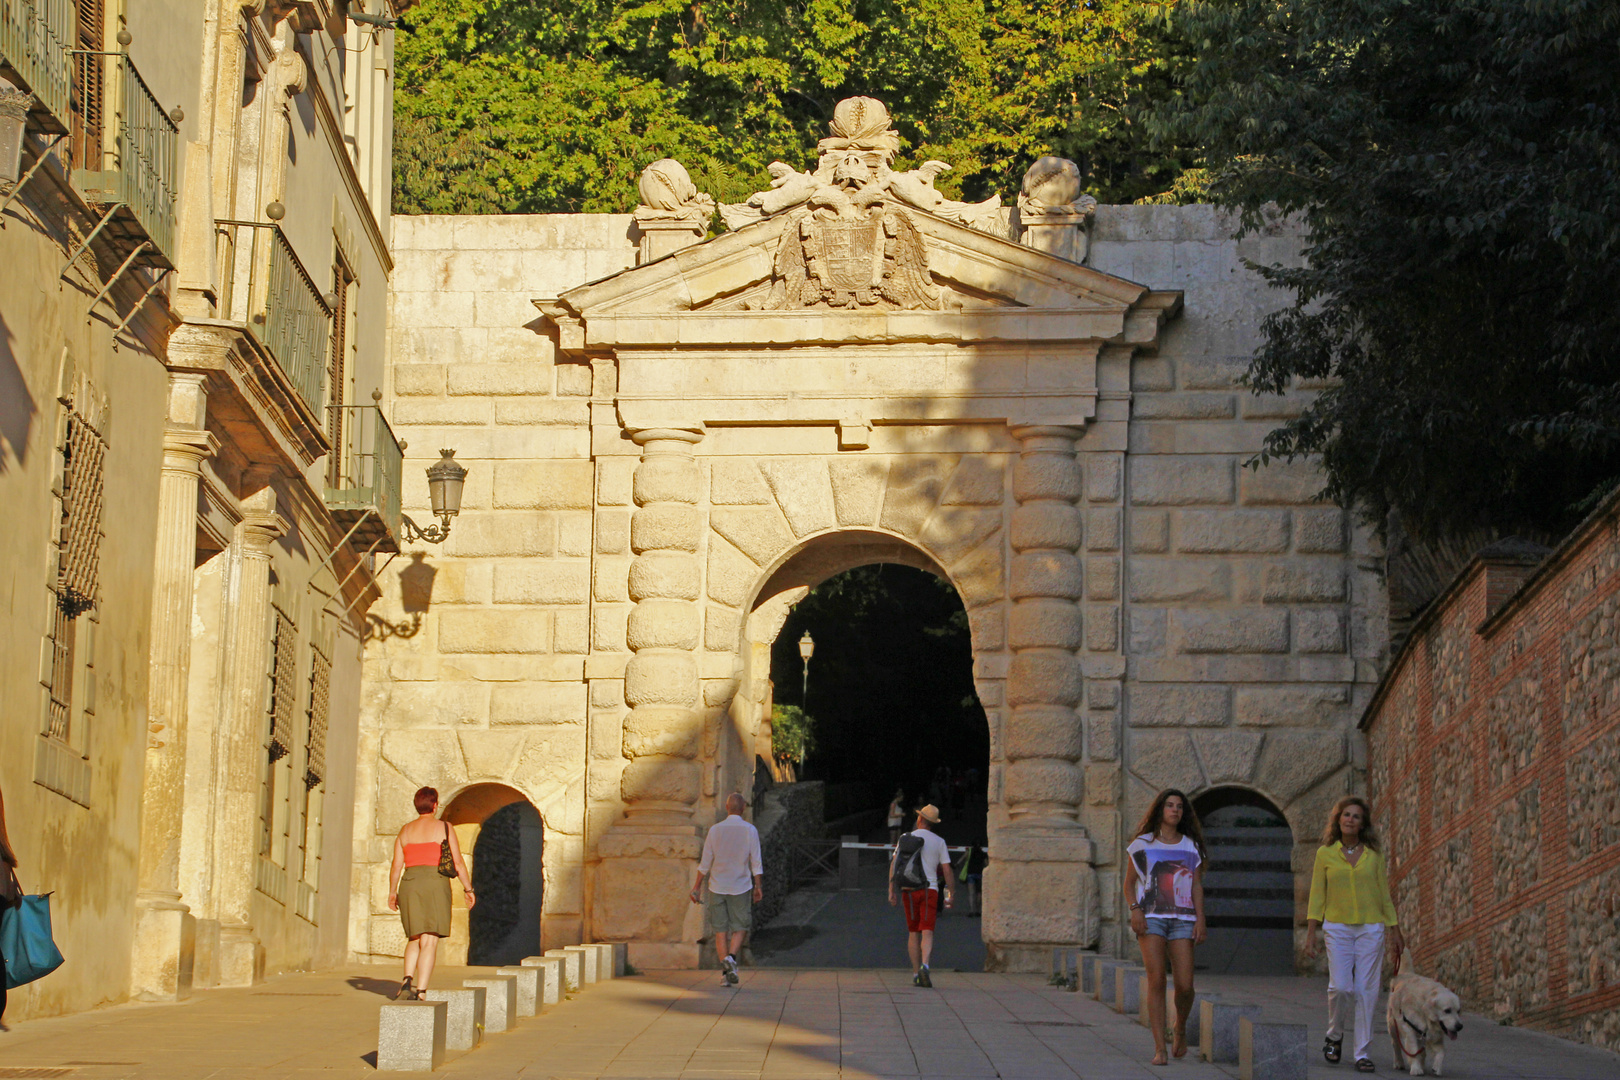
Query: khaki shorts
(731, 914)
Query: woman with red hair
(426, 856)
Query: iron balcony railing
(264, 286)
(125, 146)
(364, 493)
(36, 38)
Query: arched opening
(1249, 885)
(890, 688)
(502, 838)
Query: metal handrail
(36, 37)
(370, 466)
(263, 284)
(137, 167)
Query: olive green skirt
(424, 901)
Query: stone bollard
(1194, 1027)
(464, 1015)
(1088, 973)
(571, 972)
(410, 1036)
(587, 962)
(621, 959)
(604, 962)
(1106, 981)
(551, 977)
(1271, 1051)
(500, 1001)
(1128, 992)
(1218, 1030)
(528, 987)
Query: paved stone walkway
(781, 1025)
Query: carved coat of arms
(877, 257)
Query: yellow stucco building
(198, 484)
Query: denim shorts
(1171, 929)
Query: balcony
(124, 151)
(265, 287)
(363, 493)
(35, 41)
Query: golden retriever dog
(1422, 1015)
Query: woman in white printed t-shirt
(1164, 886)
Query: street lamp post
(807, 648)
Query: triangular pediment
(976, 269)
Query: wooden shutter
(320, 684)
(334, 375)
(89, 86)
(283, 687)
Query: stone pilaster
(649, 858)
(242, 737)
(1040, 889)
(162, 961)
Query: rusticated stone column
(242, 737)
(649, 858)
(162, 962)
(1040, 889)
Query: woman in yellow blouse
(1350, 904)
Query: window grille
(283, 687)
(59, 687)
(320, 682)
(85, 455)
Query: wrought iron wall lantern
(445, 480)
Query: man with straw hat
(920, 863)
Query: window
(277, 789)
(67, 671)
(320, 682)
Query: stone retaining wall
(787, 812)
(1496, 740)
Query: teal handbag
(25, 941)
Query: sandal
(1365, 1065)
(1333, 1050)
(405, 992)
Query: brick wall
(1494, 763)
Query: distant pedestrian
(970, 874)
(1351, 905)
(1164, 886)
(426, 856)
(736, 873)
(8, 887)
(897, 815)
(919, 868)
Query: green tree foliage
(1458, 165)
(544, 106)
(793, 735)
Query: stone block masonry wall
(475, 671)
(789, 812)
(1253, 615)
(1495, 740)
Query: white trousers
(1355, 968)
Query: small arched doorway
(1249, 885)
(502, 837)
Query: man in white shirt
(921, 902)
(730, 859)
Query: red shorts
(921, 907)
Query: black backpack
(908, 863)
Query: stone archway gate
(851, 362)
(859, 370)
